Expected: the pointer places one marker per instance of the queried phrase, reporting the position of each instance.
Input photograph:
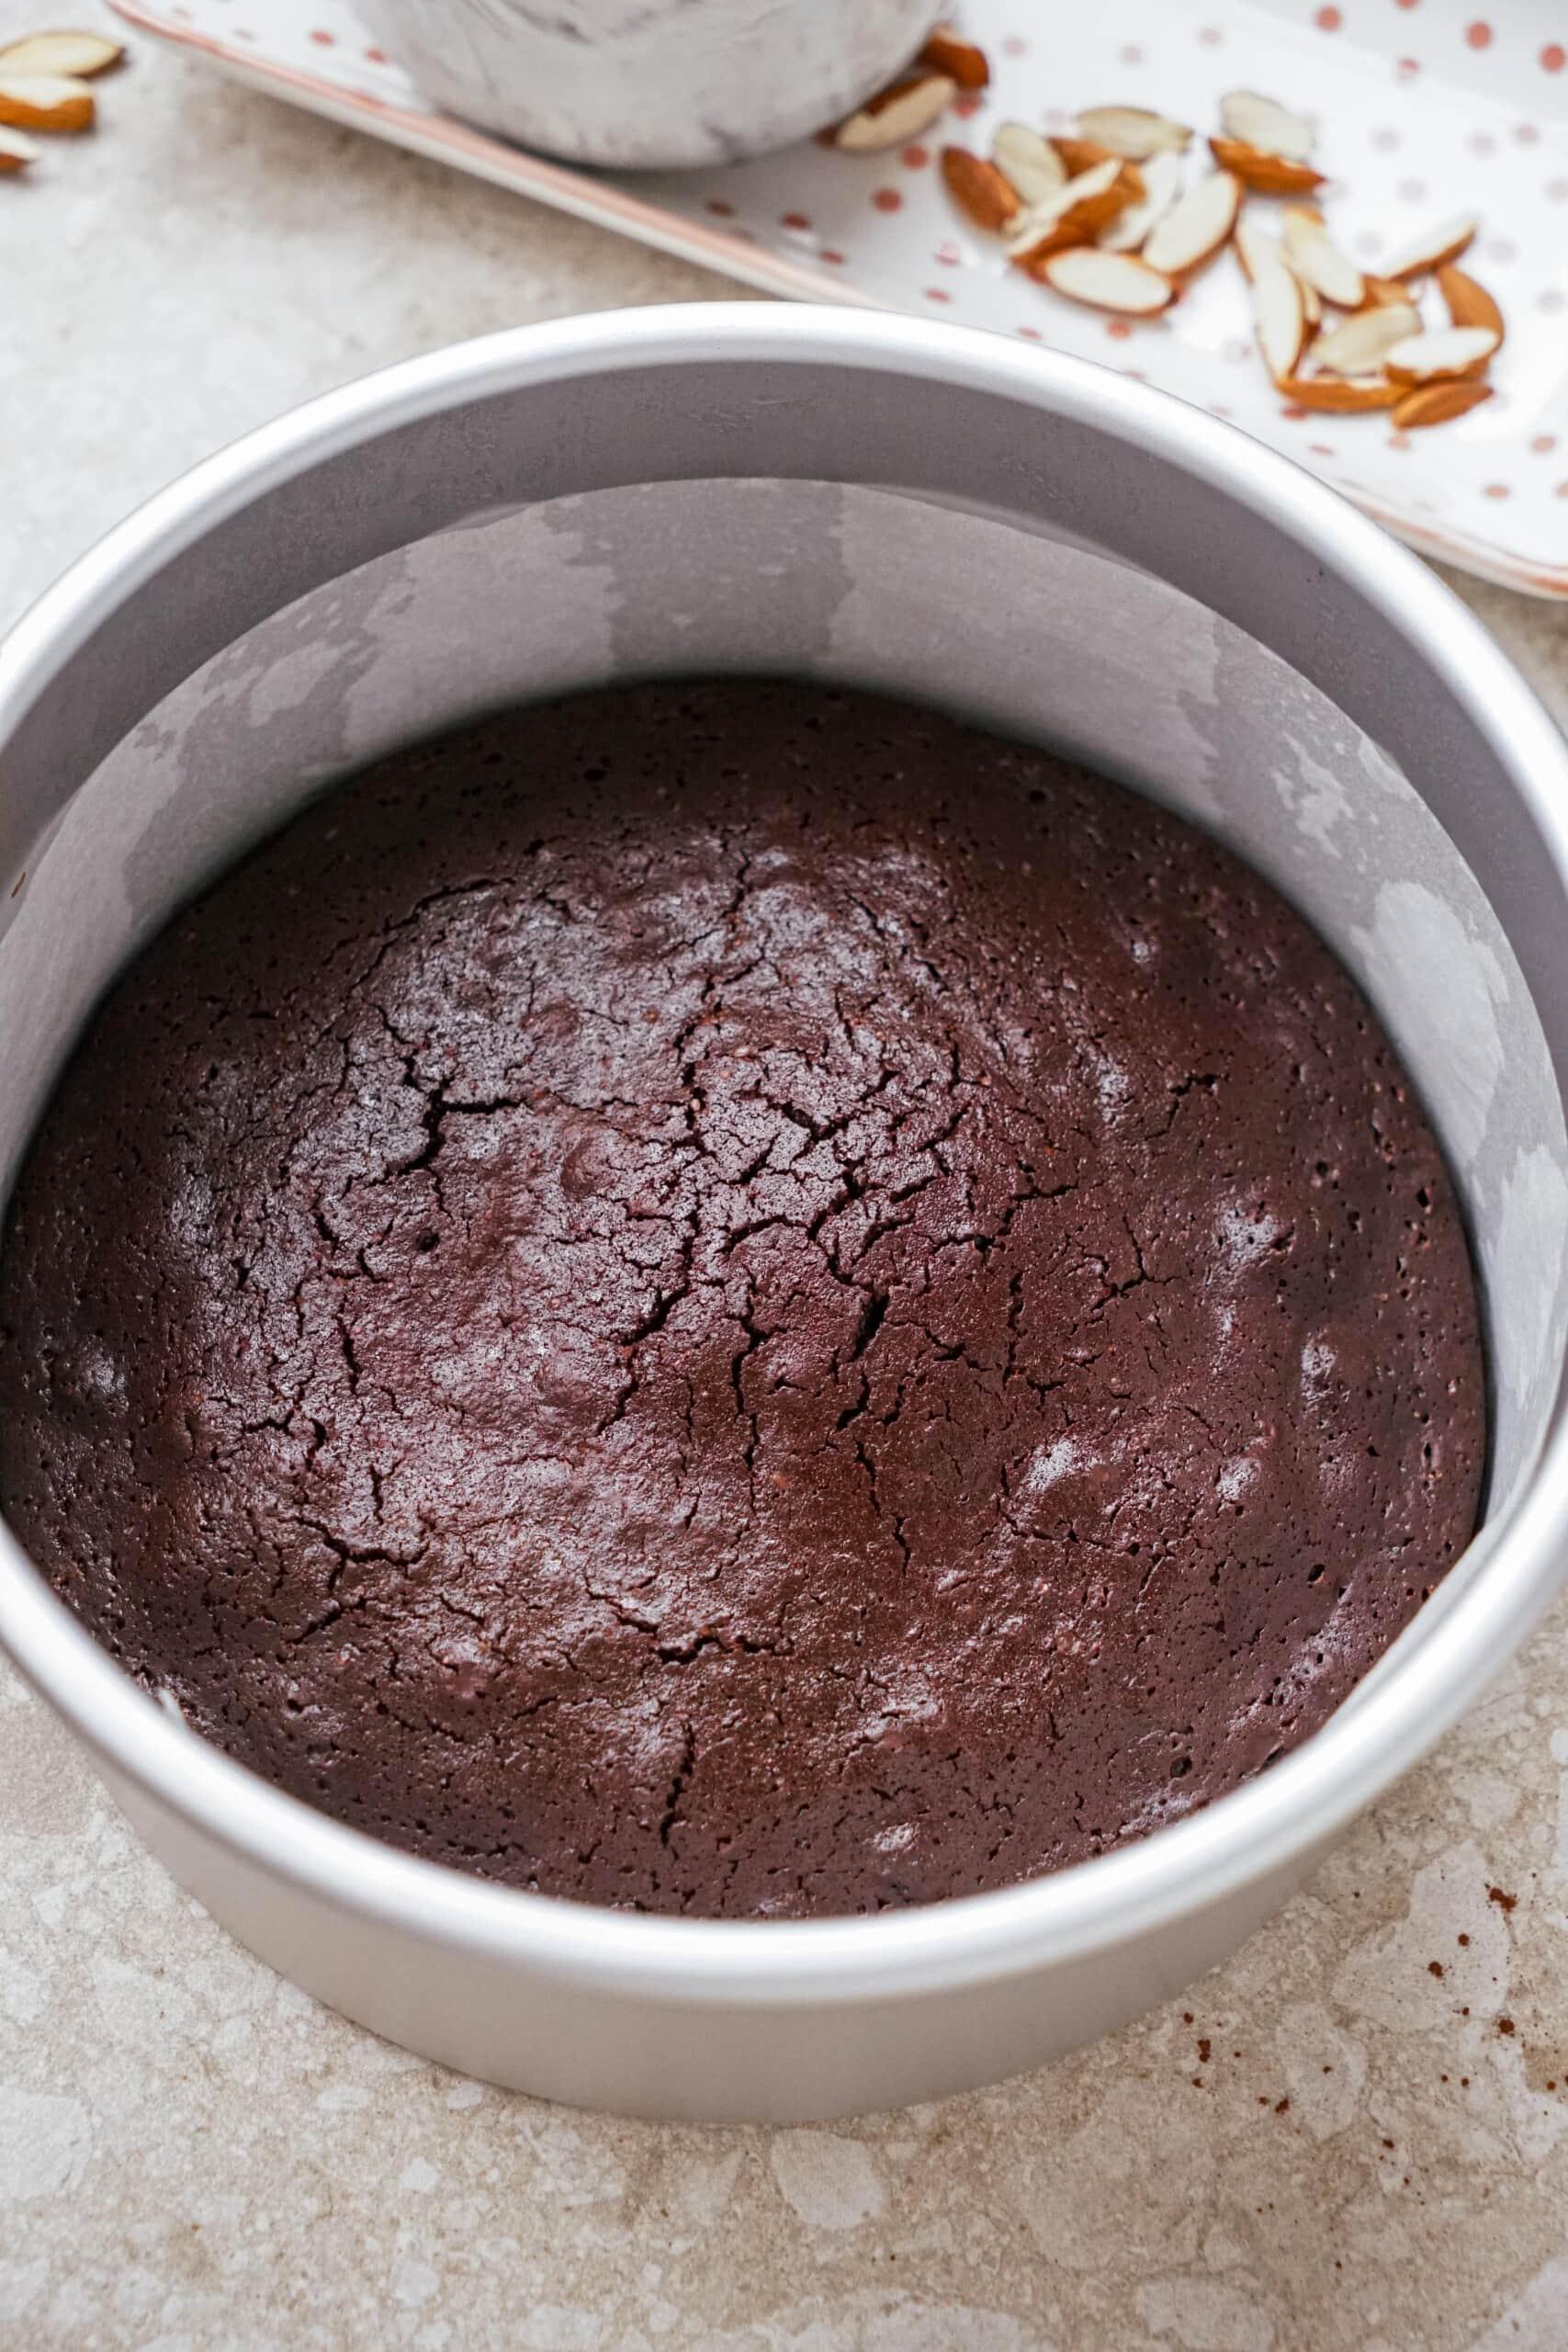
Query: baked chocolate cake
(740, 1300)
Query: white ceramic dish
(642, 82)
(938, 513)
(1420, 117)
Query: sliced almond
(79, 55)
(1197, 227)
(979, 189)
(1081, 155)
(1312, 254)
(46, 102)
(1381, 291)
(1119, 282)
(1270, 174)
(947, 52)
(1162, 184)
(1440, 352)
(1443, 243)
(1469, 304)
(1029, 160)
(1362, 343)
(1264, 123)
(1133, 132)
(1254, 246)
(16, 151)
(1340, 395)
(1312, 300)
(1073, 216)
(1279, 318)
(1436, 403)
(898, 114)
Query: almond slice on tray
(1270, 175)
(79, 55)
(1312, 300)
(1162, 186)
(1381, 291)
(1340, 395)
(1081, 155)
(1467, 303)
(1263, 123)
(1436, 403)
(946, 52)
(1029, 160)
(1074, 215)
(1254, 246)
(1132, 132)
(1443, 243)
(979, 189)
(1119, 282)
(897, 114)
(1196, 227)
(46, 102)
(1364, 340)
(1440, 353)
(1278, 315)
(16, 151)
(1312, 254)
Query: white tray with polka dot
(1425, 109)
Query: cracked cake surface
(741, 1299)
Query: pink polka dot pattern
(1424, 106)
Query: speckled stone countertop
(1354, 2138)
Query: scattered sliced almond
(1279, 317)
(46, 102)
(1312, 300)
(979, 189)
(1029, 160)
(1075, 215)
(1119, 282)
(1440, 352)
(1436, 403)
(1162, 186)
(1101, 215)
(1081, 155)
(79, 55)
(1340, 395)
(1361, 343)
(898, 114)
(1133, 132)
(16, 151)
(1197, 227)
(1265, 124)
(1469, 303)
(1430, 252)
(1270, 175)
(1254, 246)
(1313, 255)
(946, 52)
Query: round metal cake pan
(783, 2020)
